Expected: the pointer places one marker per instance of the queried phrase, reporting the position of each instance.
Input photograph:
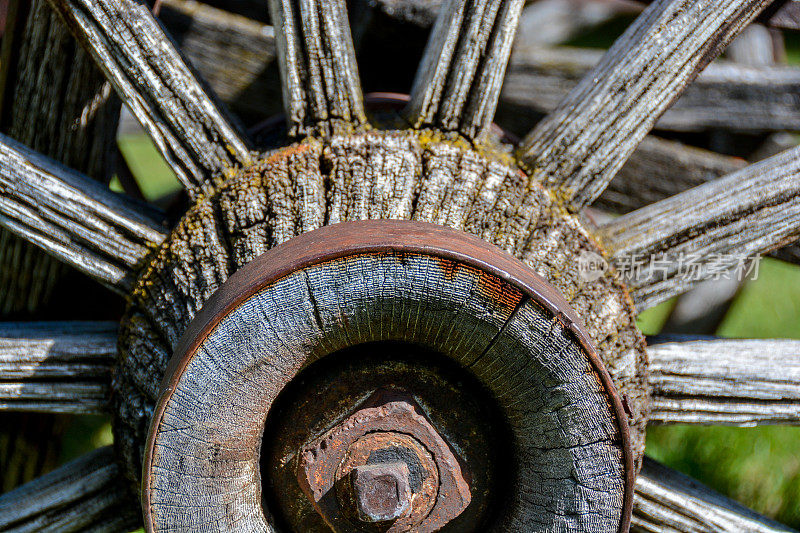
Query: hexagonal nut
(381, 492)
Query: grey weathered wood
(57, 367)
(87, 494)
(459, 79)
(721, 223)
(57, 103)
(724, 381)
(660, 168)
(753, 47)
(396, 175)
(667, 501)
(581, 145)
(552, 22)
(234, 54)
(562, 425)
(73, 217)
(321, 89)
(787, 16)
(725, 95)
(189, 129)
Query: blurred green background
(759, 467)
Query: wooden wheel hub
(386, 281)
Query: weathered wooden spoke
(581, 145)
(321, 89)
(189, 129)
(56, 367)
(87, 494)
(73, 217)
(667, 501)
(458, 82)
(667, 247)
(725, 381)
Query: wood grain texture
(668, 502)
(744, 214)
(87, 494)
(234, 54)
(73, 217)
(187, 126)
(321, 88)
(565, 436)
(374, 175)
(724, 381)
(580, 146)
(57, 367)
(459, 79)
(725, 95)
(57, 103)
(660, 168)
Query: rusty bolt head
(394, 466)
(381, 492)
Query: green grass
(153, 175)
(759, 467)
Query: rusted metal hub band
(435, 287)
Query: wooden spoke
(581, 145)
(712, 227)
(659, 169)
(87, 494)
(191, 132)
(321, 89)
(726, 95)
(56, 367)
(73, 217)
(667, 501)
(458, 82)
(724, 381)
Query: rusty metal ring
(379, 237)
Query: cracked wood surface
(669, 502)
(321, 88)
(56, 367)
(724, 381)
(56, 102)
(398, 175)
(565, 434)
(459, 78)
(191, 131)
(579, 147)
(75, 218)
(747, 213)
(86, 495)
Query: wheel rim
(373, 239)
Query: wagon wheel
(472, 364)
